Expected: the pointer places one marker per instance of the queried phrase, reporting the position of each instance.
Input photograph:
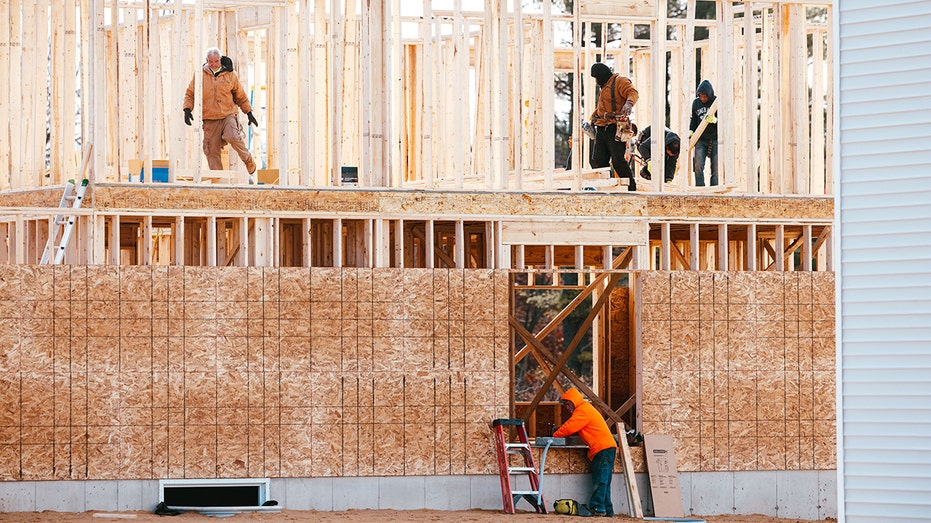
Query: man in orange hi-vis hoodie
(602, 448)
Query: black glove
(252, 120)
(188, 117)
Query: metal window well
(217, 496)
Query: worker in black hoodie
(671, 146)
(707, 144)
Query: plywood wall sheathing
(716, 346)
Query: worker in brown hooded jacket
(222, 94)
(616, 98)
(602, 448)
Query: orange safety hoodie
(587, 421)
(222, 93)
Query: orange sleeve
(626, 90)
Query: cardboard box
(267, 176)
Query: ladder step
(525, 492)
(521, 470)
(516, 446)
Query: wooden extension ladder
(521, 448)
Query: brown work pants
(218, 133)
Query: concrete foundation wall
(786, 494)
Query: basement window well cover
(216, 495)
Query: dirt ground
(350, 516)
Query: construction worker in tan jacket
(602, 449)
(222, 94)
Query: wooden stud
(381, 245)
(6, 102)
(694, 247)
(491, 243)
(146, 243)
(817, 145)
(724, 94)
(115, 247)
(503, 252)
(460, 244)
(806, 247)
(829, 109)
(750, 260)
(722, 248)
(658, 101)
(245, 260)
(337, 242)
(306, 106)
(547, 152)
(750, 87)
(274, 242)
(199, 31)
(179, 257)
(429, 246)
(780, 247)
(211, 241)
(28, 77)
(5, 243)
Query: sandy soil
(351, 516)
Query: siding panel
(884, 120)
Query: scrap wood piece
(630, 482)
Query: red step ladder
(521, 448)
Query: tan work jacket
(623, 91)
(222, 93)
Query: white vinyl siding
(884, 284)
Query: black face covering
(601, 73)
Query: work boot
(250, 167)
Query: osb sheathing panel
(200, 372)
(739, 367)
(111, 197)
(40, 197)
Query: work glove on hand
(712, 119)
(188, 117)
(252, 120)
(628, 106)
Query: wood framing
(393, 110)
